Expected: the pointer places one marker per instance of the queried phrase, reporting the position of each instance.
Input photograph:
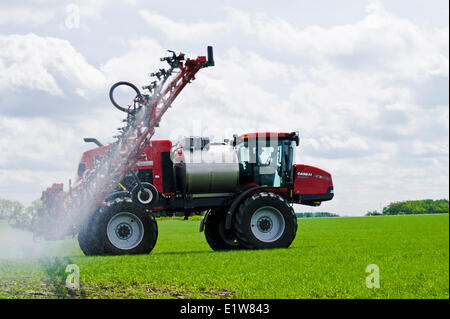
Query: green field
(328, 259)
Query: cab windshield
(266, 162)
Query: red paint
(265, 134)
(277, 190)
(151, 153)
(311, 180)
(88, 156)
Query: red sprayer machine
(245, 185)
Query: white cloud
(379, 40)
(136, 64)
(91, 9)
(23, 15)
(41, 140)
(45, 63)
(181, 31)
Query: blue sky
(364, 82)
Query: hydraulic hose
(111, 96)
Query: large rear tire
(125, 228)
(216, 235)
(265, 220)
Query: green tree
(31, 210)
(10, 209)
(373, 213)
(316, 214)
(426, 206)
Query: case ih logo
(305, 174)
(302, 174)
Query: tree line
(316, 214)
(414, 207)
(15, 210)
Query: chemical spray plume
(64, 213)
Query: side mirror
(296, 137)
(234, 139)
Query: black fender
(236, 202)
(230, 212)
(202, 222)
(115, 195)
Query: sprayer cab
(268, 159)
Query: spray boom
(63, 213)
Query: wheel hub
(267, 224)
(124, 231)
(264, 224)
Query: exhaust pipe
(92, 140)
(210, 56)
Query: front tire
(264, 221)
(89, 244)
(125, 228)
(216, 235)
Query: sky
(366, 84)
